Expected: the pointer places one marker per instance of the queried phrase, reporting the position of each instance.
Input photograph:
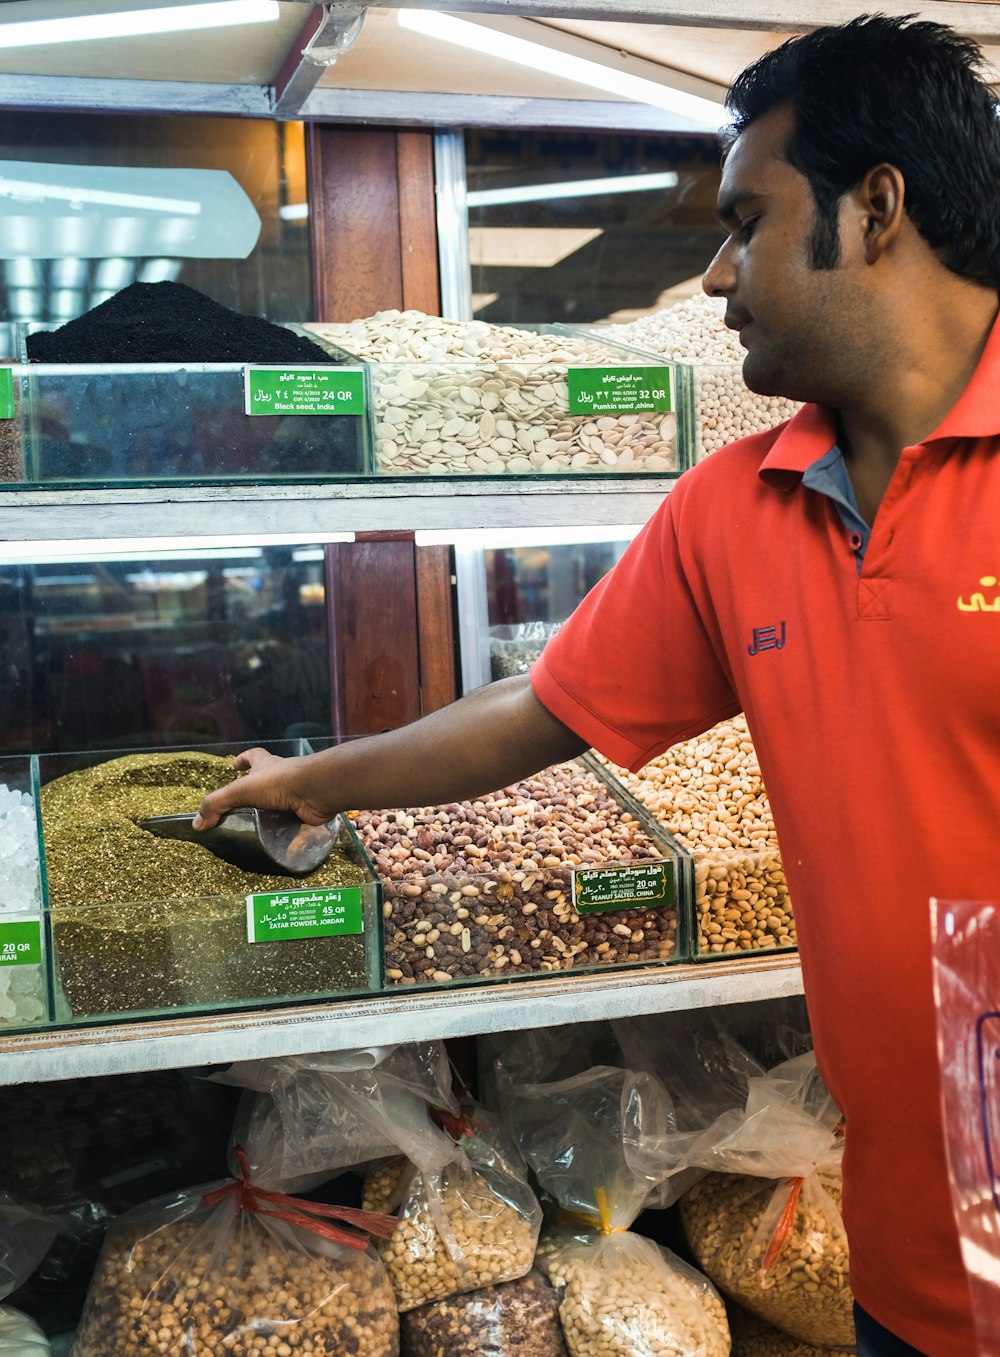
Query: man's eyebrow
(728, 205)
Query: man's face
(796, 322)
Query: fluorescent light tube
(136, 22)
(539, 56)
(571, 188)
(47, 550)
(524, 537)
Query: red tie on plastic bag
(258, 1200)
(780, 1233)
(779, 1236)
(457, 1127)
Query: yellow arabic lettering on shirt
(977, 601)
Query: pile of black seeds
(170, 323)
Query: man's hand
(272, 783)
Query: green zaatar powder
(142, 923)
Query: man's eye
(747, 228)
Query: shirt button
(856, 541)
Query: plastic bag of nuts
(514, 1319)
(469, 1223)
(243, 1269)
(484, 887)
(593, 1142)
(752, 1337)
(765, 1222)
(710, 795)
(624, 1296)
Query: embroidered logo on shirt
(978, 602)
(767, 638)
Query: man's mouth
(736, 322)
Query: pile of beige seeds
(804, 1290)
(483, 1239)
(709, 794)
(694, 332)
(242, 1289)
(623, 1298)
(484, 887)
(456, 397)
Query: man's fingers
(234, 794)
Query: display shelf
(125, 1048)
(370, 505)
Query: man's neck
(916, 389)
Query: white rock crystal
(22, 988)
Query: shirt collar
(811, 432)
(807, 436)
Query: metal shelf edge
(219, 1039)
(185, 511)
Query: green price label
(21, 943)
(6, 393)
(620, 391)
(304, 391)
(280, 916)
(650, 886)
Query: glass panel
(212, 644)
(544, 245)
(76, 267)
(544, 583)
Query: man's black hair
(888, 90)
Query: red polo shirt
(874, 703)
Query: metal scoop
(264, 841)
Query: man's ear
(880, 197)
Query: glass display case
(562, 871)
(478, 400)
(110, 424)
(722, 408)
(141, 925)
(197, 642)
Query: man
(824, 578)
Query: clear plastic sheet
(26, 1235)
(348, 1109)
(967, 994)
(20, 1336)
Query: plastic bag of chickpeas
(469, 1222)
(241, 1267)
(764, 1222)
(593, 1141)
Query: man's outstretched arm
(484, 741)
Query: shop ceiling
(348, 61)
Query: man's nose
(720, 276)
